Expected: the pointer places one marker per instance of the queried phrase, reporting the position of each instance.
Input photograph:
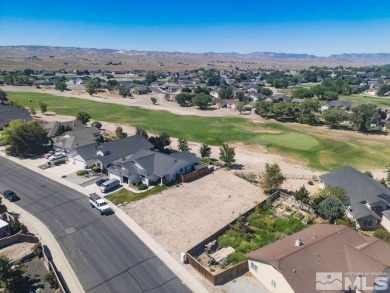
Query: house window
(181, 170)
(253, 266)
(273, 283)
(367, 223)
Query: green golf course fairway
(318, 151)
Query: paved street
(105, 255)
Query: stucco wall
(266, 274)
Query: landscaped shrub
(230, 238)
(59, 162)
(95, 168)
(236, 257)
(142, 186)
(382, 234)
(81, 172)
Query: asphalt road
(105, 255)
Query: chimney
(298, 242)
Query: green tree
(62, 129)
(186, 90)
(111, 84)
(383, 90)
(83, 117)
(226, 93)
(266, 91)
(119, 133)
(302, 93)
(141, 131)
(11, 276)
(124, 92)
(201, 100)
(205, 151)
(272, 178)
(184, 99)
(154, 100)
(51, 279)
(23, 138)
(333, 191)
(331, 209)
(199, 90)
(60, 85)
(97, 124)
(334, 116)
(183, 144)
(165, 139)
(302, 194)
(43, 107)
(28, 71)
(263, 108)
(226, 155)
(92, 86)
(3, 97)
(150, 77)
(362, 115)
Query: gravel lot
(180, 217)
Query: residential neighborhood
(204, 147)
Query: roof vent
(339, 232)
(298, 242)
(294, 270)
(315, 235)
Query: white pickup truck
(100, 204)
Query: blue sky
(305, 26)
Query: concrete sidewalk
(182, 273)
(46, 237)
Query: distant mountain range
(69, 57)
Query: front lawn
(124, 195)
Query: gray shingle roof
(9, 113)
(115, 149)
(359, 188)
(52, 127)
(150, 163)
(122, 148)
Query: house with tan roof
(298, 263)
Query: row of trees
(307, 112)
(201, 99)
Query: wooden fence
(193, 175)
(228, 274)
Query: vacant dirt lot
(181, 217)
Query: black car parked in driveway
(101, 181)
(10, 195)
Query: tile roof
(325, 248)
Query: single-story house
(152, 167)
(368, 198)
(257, 97)
(140, 90)
(336, 104)
(171, 87)
(278, 98)
(9, 113)
(301, 262)
(108, 153)
(52, 127)
(76, 138)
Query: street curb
(183, 274)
